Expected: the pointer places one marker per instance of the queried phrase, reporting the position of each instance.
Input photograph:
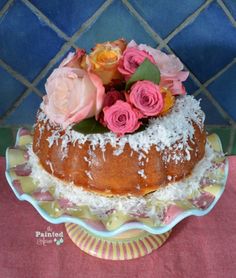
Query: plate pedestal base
(126, 246)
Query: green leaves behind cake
(146, 71)
(90, 126)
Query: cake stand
(124, 241)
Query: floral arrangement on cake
(116, 87)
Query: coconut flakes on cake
(163, 132)
(131, 205)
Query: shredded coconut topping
(162, 132)
(148, 204)
(142, 173)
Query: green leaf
(141, 128)
(145, 71)
(90, 126)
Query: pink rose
(146, 97)
(155, 53)
(170, 67)
(172, 75)
(112, 96)
(72, 95)
(121, 118)
(131, 59)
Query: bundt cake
(166, 151)
(145, 131)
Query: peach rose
(104, 58)
(72, 95)
(169, 100)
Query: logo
(44, 238)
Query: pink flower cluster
(171, 68)
(75, 91)
(144, 98)
(122, 116)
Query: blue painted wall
(35, 35)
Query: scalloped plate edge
(125, 227)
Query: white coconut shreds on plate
(148, 205)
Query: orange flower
(169, 100)
(103, 60)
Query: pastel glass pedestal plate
(129, 239)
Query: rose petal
(72, 95)
(100, 92)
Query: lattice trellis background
(35, 36)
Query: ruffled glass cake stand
(118, 238)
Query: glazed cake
(145, 133)
(166, 151)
